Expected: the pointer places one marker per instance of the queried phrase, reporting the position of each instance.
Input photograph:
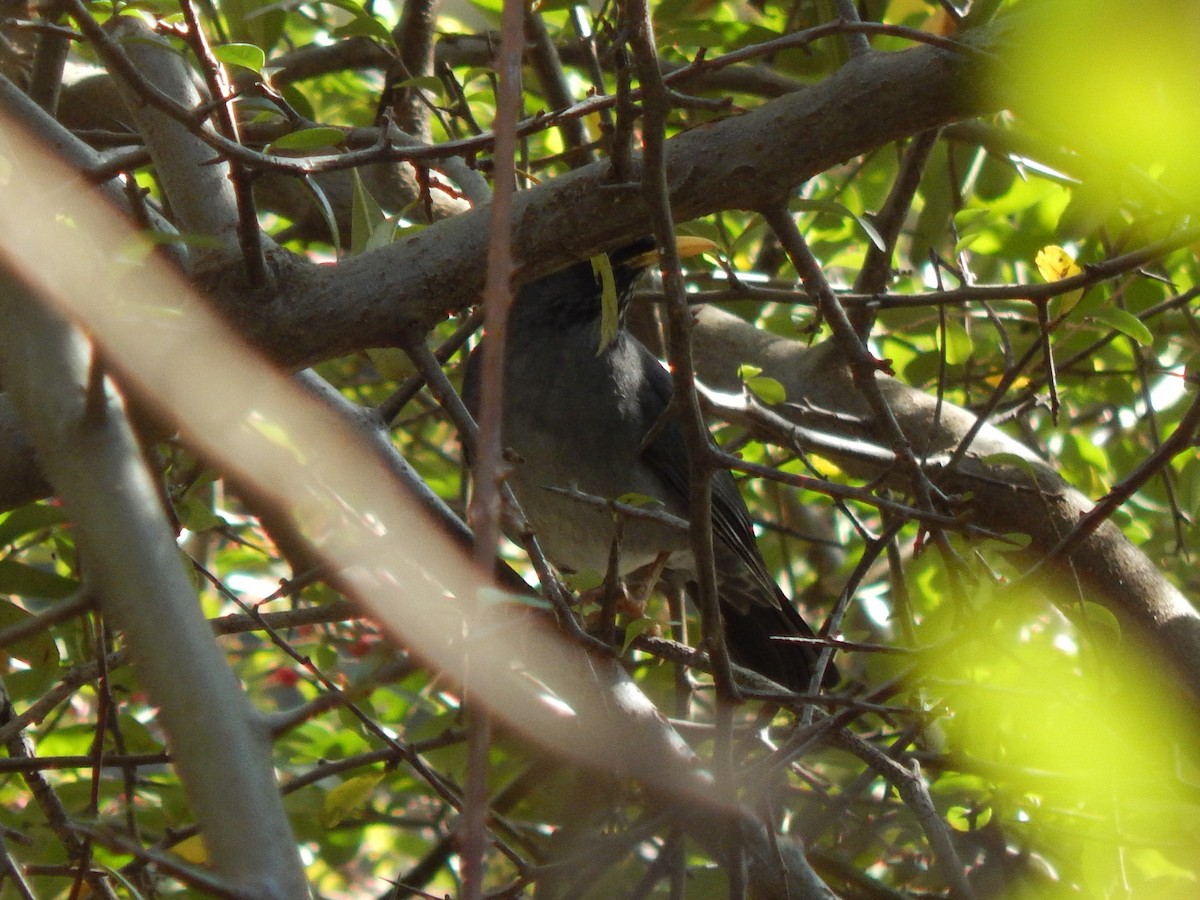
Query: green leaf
(255, 21)
(326, 210)
(120, 878)
(972, 217)
(28, 519)
(355, 9)
(430, 83)
(833, 208)
(1008, 459)
(963, 819)
(367, 27)
(298, 101)
(584, 580)
(38, 650)
(957, 343)
(1090, 302)
(633, 629)
(383, 234)
(1155, 864)
(365, 216)
(26, 581)
(965, 242)
(766, 389)
(1125, 322)
(196, 514)
(309, 139)
(609, 306)
(635, 499)
(248, 56)
(349, 798)
(363, 25)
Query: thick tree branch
(744, 161)
(315, 313)
(197, 183)
(89, 451)
(1030, 497)
(337, 488)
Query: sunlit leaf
(833, 208)
(349, 798)
(957, 343)
(192, 849)
(766, 389)
(248, 56)
(963, 819)
(1055, 264)
(609, 308)
(1070, 64)
(367, 27)
(1125, 322)
(27, 519)
(635, 628)
(196, 515)
(319, 138)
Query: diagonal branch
(91, 456)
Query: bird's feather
(579, 418)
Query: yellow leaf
(609, 305)
(995, 380)
(391, 362)
(192, 850)
(348, 798)
(1055, 264)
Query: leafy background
(1054, 761)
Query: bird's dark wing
(755, 611)
(667, 455)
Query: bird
(580, 401)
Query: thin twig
(75, 605)
(856, 41)
(11, 869)
(50, 59)
(219, 89)
(415, 39)
(864, 367)
(876, 269)
(486, 509)
(467, 147)
(1179, 441)
(911, 786)
(550, 72)
(685, 403)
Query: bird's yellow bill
(686, 245)
(691, 245)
